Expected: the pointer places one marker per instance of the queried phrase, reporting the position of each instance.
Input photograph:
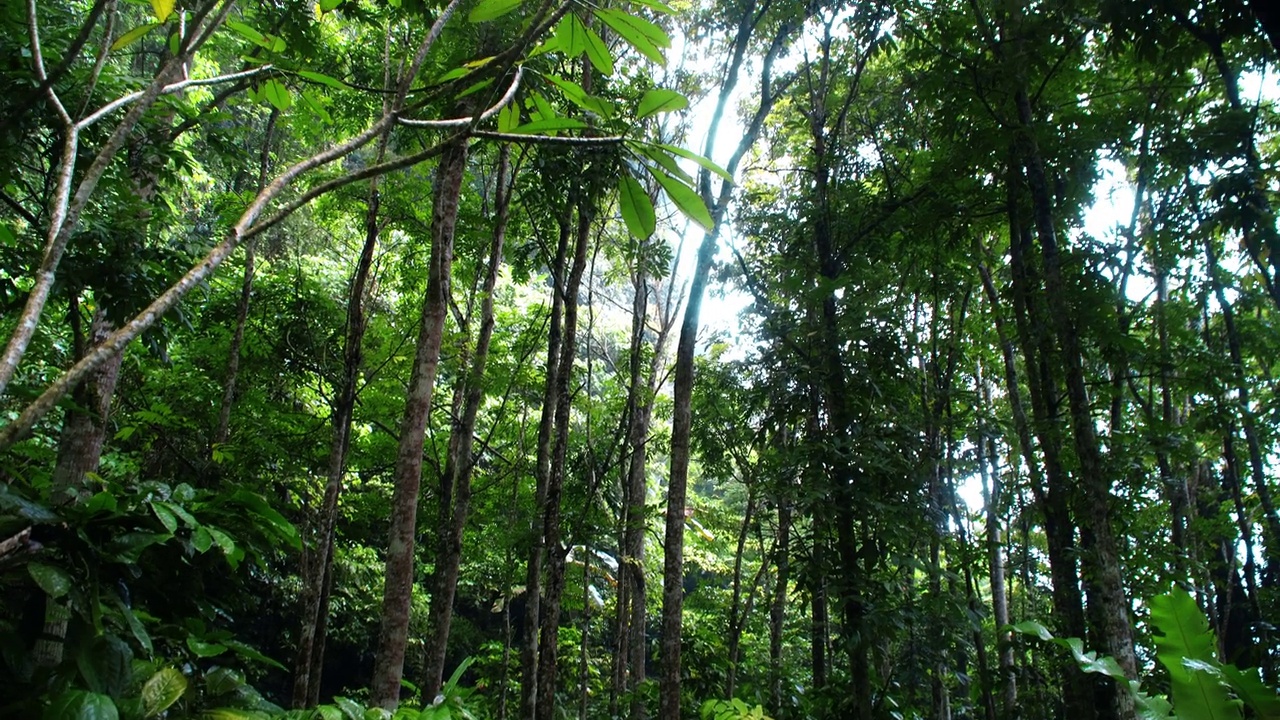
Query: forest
(547, 359)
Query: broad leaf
(277, 94)
(487, 10)
(162, 8)
(162, 690)
(1185, 646)
(637, 208)
(660, 100)
(82, 705)
(572, 35)
(685, 198)
(132, 36)
(53, 580)
(644, 36)
(598, 52)
(329, 5)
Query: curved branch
(472, 119)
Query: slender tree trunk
(546, 427)
(460, 464)
(736, 613)
(778, 608)
(991, 493)
(548, 642)
(223, 431)
(398, 589)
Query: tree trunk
(223, 430)
(549, 634)
(460, 464)
(393, 635)
(546, 426)
(991, 490)
(1102, 564)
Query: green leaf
(166, 516)
(598, 52)
(508, 118)
(315, 106)
(201, 540)
(248, 33)
(641, 34)
(548, 125)
(700, 160)
(82, 705)
(162, 8)
(660, 100)
(162, 690)
(101, 501)
(1185, 646)
(329, 5)
(321, 78)
(136, 627)
(476, 87)
(350, 708)
(251, 653)
(656, 5)
(544, 109)
(277, 94)
(487, 10)
(205, 649)
(1032, 628)
(572, 36)
(53, 580)
(1249, 687)
(132, 36)
(685, 198)
(278, 523)
(128, 547)
(637, 208)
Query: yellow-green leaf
(162, 690)
(162, 8)
(329, 5)
(133, 35)
(277, 94)
(548, 125)
(685, 198)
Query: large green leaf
(660, 100)
(644, 36)
(53, 580)
(277, 94)
(81, 705)
(162, 690)
(1249, 687)
(572, 35)
(637, 208)
(685, 198)
(487, 10)
(1185, 646)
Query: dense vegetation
(358, 363)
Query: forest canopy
(721, 359)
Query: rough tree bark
(393, 635)
(459, 465)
